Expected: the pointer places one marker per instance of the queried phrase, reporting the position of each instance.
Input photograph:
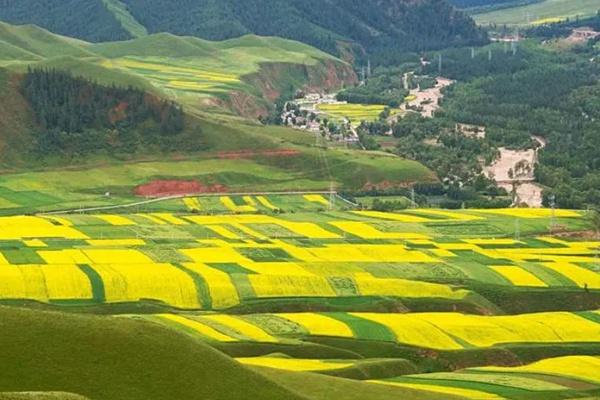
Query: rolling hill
(335, 26)
(116, 358)
(216, 82)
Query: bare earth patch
(164, 187)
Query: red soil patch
(160, 188)
(235, 155)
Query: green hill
(32, 40)
(334, 26)
(216, 82)
(118, 358)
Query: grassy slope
(320, 387)
(111, 358)
(539, 11)
(127, 20)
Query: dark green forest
(331, 26)
(84, 19)
(382, 30)
(77, 116)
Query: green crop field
(356, 113)
(415, 304)
(547, 11)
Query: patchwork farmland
(423, 302)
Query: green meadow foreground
(291, 297)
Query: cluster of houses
(304, 114)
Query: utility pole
(517, 229)
(440, 64)
(412, 198)
(369, 68)
(490, 55)
(472, 53)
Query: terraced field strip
(584, 368)
(294, 364)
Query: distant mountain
(381, 28)
(89, 20)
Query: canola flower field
(443, 302)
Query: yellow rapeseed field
(44, 282)
(221, 289)
(467, 393)
(198, 327)
(369, 286)
(295, 364)
(152, 219)
(484, 331)
(116, 220)
(316, 198)
(319, 325)
(192, 203)
(243, 327)
(518, 276)
(583, 277)
(576, 367)
(413, 331)
(19, 227)
(267, 203)
(230, 204)
(152, 281)
(222, 231)
(393, 216)
(308, 229)
(366, 231)
(169, 218)
(266, 286)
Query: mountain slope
(374, 26)
(244, 75)
(85, 19)
(333, 25)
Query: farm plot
(354, 112)
(215, 262)
(439, 331)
